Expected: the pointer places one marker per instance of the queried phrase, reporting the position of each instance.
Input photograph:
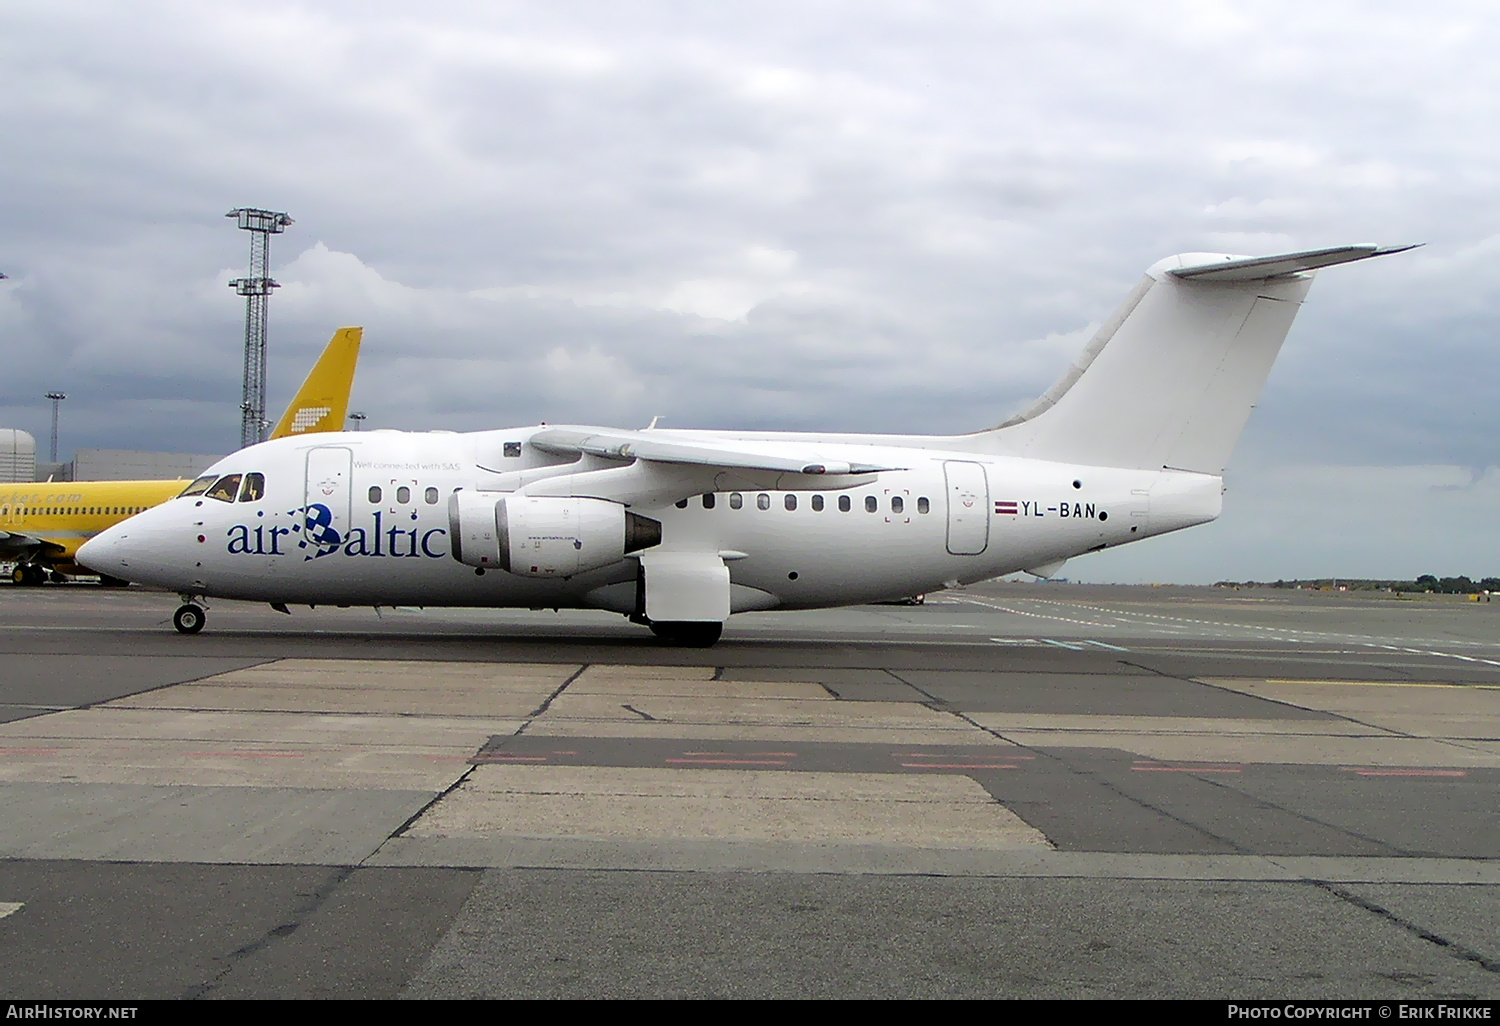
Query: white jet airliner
(679, 529)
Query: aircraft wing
(16, 546)
(781, 457)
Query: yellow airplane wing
(323, 400)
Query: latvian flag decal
(1006, 506)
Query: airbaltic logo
(313, 529)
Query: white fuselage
(945, 517)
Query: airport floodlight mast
(256, 288)
(358, 418)
(56, 397)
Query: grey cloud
(878, 216)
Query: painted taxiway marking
(1140, 619)
(1404, 772)
(1188, 769)
(1386, 684)
(7, 907)
(959, 765)
(726, 762)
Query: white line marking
(1112, 648)
(1064, 644)
(7, 907)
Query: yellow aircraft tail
(323, 400)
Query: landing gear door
(326, 499)
(968, 507)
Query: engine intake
(543, 536)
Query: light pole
(261, 224)
(358, 418)
(56, 397)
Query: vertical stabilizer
(323, 400)
(1171, 378)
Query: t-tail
(1169, 380)
(323, 400)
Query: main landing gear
(189, 618)
(688, 633)
(28, 574)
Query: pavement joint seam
(172, 684)
(1453, 948)
(299, 915)
(1267, 804)
(547, 702)
(1086, 774)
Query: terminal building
(18, 463)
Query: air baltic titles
(679, 529)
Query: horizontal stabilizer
(1282, 265)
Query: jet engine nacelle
(544, 536)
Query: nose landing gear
(189, 618)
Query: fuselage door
(327, 496)
(968, 507)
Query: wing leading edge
(640, 445)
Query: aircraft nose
(108, 552)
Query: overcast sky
(853, 216)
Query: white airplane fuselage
(947, 517)
(681, 529)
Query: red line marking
(929, 755)
(29, 751)
(731, 762)
(1404, 772)
(958, 765)
(559, 751)
(1188, 769)
(511, 758)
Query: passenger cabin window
(762, 501)
(790, 502)
(254, 488)
(374, 493)
(817, 503)
(199, 486)
(736, 500)
(708, 500)
(896, 504)
(403, 495)
(923, 506)
(431, 495)
(843, 503)
(226, 488)
(871, 504)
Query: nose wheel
(189, 619)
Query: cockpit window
(199, 486)
(254, 488)
(226, 488)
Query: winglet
(1283, 265)
(323, 400)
